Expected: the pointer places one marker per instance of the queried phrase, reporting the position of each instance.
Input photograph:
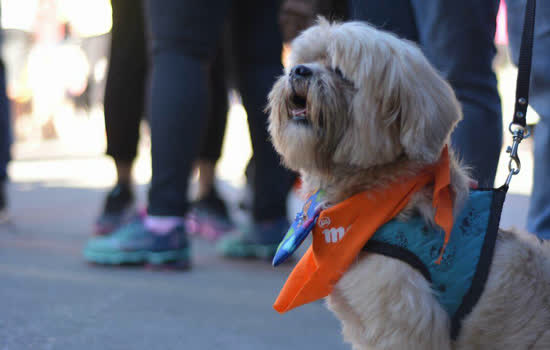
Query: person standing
(124, 105)
(538, 216)
(184, 38)
(457, 37)
(5, 141)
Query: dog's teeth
(302, 112)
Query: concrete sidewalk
(51, 299)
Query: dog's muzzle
(298, 100)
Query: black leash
(518, 125)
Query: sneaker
(3, 204)
(259, 240)
(209, 217)
(117, 210)
(133, 243)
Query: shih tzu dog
(366, 121)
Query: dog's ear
(428, 108)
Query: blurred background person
(458, 39)
(185, 35)
(5, 141)
(538, 220)
(124, 105)
(44, 69)
(55, 51)
(66, 61)
(209, 216)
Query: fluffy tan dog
(359, 108)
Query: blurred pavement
(51, 299)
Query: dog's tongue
(302, 112)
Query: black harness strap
(393, 251)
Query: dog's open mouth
(299, 111)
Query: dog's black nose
(301, 70)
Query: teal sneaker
(133, 243)
(257, 241)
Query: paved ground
(51, 299)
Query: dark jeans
(126, 79)
(185, 35)
(5, 125)
(538, 220)
(457, 37)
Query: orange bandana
(343, 230)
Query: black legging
(5, 125)
(125, 88)
(126, 79)
(185, 35)
(211, 144)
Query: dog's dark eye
(338, 72)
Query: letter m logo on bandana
(334, 235)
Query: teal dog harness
(459, 279)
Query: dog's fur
(356, 109)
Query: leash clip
(514, 165)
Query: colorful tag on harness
(301, 227)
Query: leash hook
(514, 165)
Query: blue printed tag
(301, 227)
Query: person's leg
(5, 140)
(5, 126)
(211, 144)
(538, 217)
(184, 35)
(209, 216)
(458, 38)
(538, 220)
(123, 106)
(258, 44)
(125, 88)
